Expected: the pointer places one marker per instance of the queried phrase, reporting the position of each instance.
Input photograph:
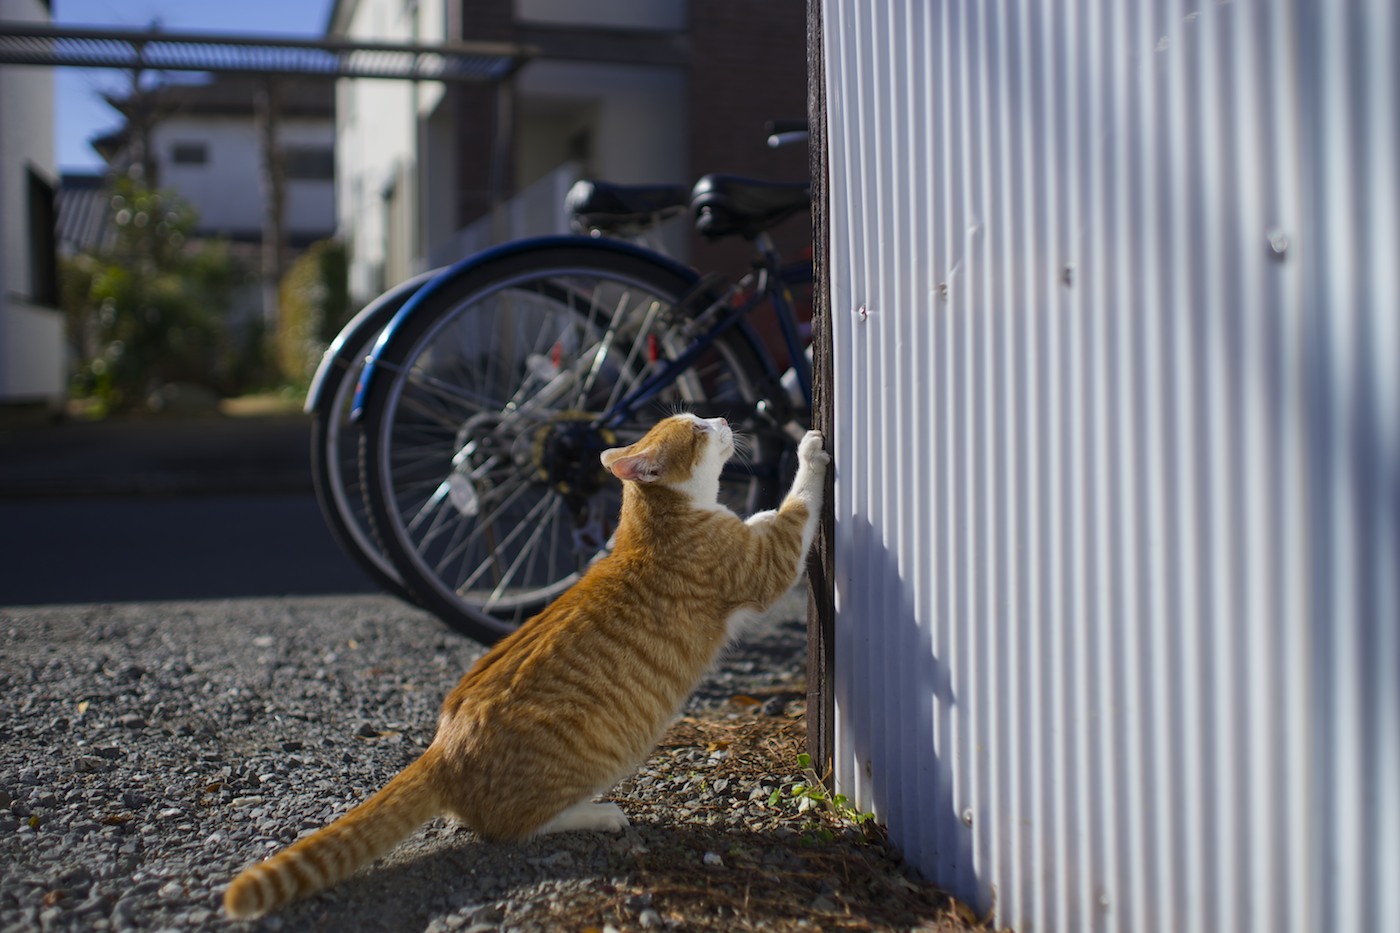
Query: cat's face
(684, 452)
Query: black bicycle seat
(600, 205)
(724, 205)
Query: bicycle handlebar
(778, 140)
(785, 132)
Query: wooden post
(269, 106)
(821, 591)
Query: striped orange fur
(569, 704)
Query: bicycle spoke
(627, 366)
(529, 520)
(436, 388)
(483, 526)
(605, 345)
(526, 549)
(550, 553)
(428, 510)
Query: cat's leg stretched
(809, 483)
(589, 816)
(812, 461)
(778, 549)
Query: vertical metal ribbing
(1118, 434)
(1380, 232)
(1349, 123)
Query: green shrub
(313, 304)
(152, 307)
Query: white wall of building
(227, 189)
(378, 150)
(396, 142)
(33, 360)
(636, 117)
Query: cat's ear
(624, 464)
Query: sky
(80, 111)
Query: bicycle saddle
(600, 205)
(725, 204)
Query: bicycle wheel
(481, 440)
(335, 439)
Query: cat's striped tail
(334, 853)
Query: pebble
(142, 826)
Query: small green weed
(811, 796)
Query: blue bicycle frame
(774, 288)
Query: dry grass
(736, 861)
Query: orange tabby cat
(570, 703)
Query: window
(189, 153)
(303, 163)
(43, 242)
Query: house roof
(83, 204)
(223, 96)
(233, 95)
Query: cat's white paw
(610, 818)
(590, 817)
(810, 453)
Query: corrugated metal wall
(1115, 297)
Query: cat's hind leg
(589, 816)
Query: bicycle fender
(472, 263)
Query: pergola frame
(156, 50)
(139, 51)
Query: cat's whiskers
(743, 449)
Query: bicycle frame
(774, 279)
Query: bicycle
(335, 440)
(490, 395)
(622, 211)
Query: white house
(32, 357)
(205, 141)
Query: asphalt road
(98, 550)
(164, 509)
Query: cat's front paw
(810, 453)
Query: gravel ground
(150, 751)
